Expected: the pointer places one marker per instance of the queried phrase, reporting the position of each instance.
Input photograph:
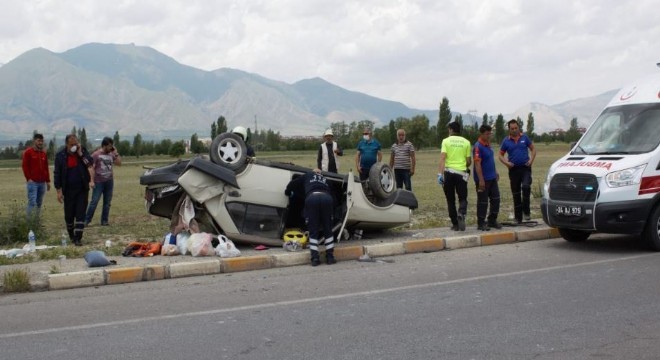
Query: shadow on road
(605, 243)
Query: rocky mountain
(133, 89)
(551, 117)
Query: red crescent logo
(629, 94)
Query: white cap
(328, 132)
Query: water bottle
(32, 241)
(65, 236)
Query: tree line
(419, 130)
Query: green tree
(115, 138)
(123, 147)
(196, 146)
(177, 149)
(222, 125)
(530, 126)
(444, 118)
(392, 131)
(484, 120)
(163, 148)
(50, 153)
(214, 130)
(137, 145)
(500, 132)
(82, 138)
(573, 134)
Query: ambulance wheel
(651, 235)
(571, 235)
(230, 151)
(381, 180)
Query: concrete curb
(153, 272)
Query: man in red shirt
(35, 169)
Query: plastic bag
(169, 250)
(226, 248)
(97, 258)
(200, 244)
(182, 242)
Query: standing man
(318, 212)
(368, 153)
(35, 169)
(74, 176)
(402, 160)
(329, 151)
(519, 162)
(486, 178)
(453, 173)
(103, 158)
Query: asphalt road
(533, 300)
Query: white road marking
(315, 299)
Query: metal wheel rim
(386, 180)
(229, 151)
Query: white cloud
(488, 56)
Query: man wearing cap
(35, 169)
(368, 153)
(402, 160)
(326, 159)
(453, 173)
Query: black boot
(330, 257)
(316, 261)
(483, 227)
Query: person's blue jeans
(35, 196)
(402, 177)
(105, 189)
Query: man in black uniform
(318, 212)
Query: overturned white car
(243, 197)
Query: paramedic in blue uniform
(518, 147)
(318, 212)
(486, 178)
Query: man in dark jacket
(73, 176)
(318, 212)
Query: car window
(256, 219)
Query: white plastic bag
(169, 250)
(182, 242)
(226, 248)
(200, 244)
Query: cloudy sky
(488, 56)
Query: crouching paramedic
(318, 212)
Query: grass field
(130, 221)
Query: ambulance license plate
(568, 210)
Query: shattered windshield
(628, 129)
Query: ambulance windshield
(627, 129)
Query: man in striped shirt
(402, 160)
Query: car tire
(572, 235)
(230, 151)
(381, 180)
(651, 235)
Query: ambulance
(610, 180)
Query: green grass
(17, 280)
(129, 220)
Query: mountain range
(134, 89)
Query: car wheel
(229, 150)
(571, 235)
(651, 235)
(381, 180)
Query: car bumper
(621, 217)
